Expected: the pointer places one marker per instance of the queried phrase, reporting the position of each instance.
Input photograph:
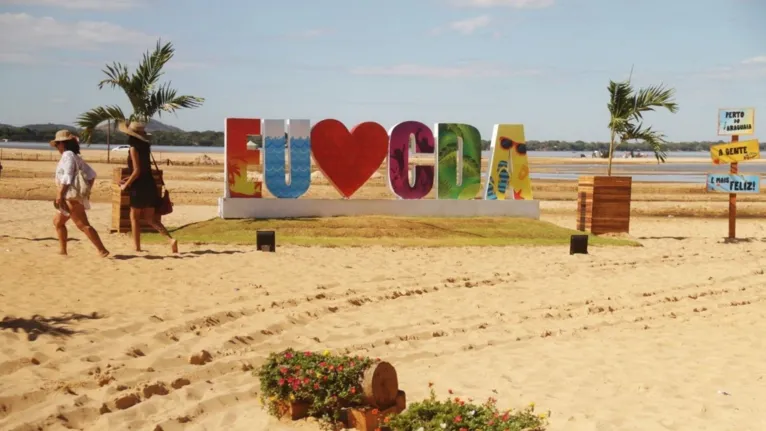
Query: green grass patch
(386, 231)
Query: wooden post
(733, 169)
(108, 131)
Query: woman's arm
(136, 169)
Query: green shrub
(325, 382)
(454, 414)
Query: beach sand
(624, 338)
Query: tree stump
(380, 385)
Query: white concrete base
(241, 208)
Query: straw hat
(135, 129)
(63, 136)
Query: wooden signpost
(735, 122)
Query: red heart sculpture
(348, 160)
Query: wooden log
(293, 410)
(369, 418)
(380, 385)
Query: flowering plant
(325, 382)
(454, 414)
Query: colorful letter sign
(349, 159)
(299, 146)
(735, 152)
(399, 180)
(458, 175)
(508, 176)
(736, 122)
(733, 183)
(239, 157)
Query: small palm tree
(145, 95)
(626, 108)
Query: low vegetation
(455, 414)
(387, 231)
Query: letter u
(275, 174)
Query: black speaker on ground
(578, 244)
(266, 240)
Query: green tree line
(207, 138)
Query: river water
(674, 173)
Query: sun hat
(135, 129)
(63, 136)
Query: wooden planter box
(603, 204)
(121, 202)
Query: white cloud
(518, 4)
(77, 4)
(470, 25)
(26, 39)
(474, 70)
(761, 59)
(733, 73)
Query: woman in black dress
(144, 197)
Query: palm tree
(145, 95)
(626, 108)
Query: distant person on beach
(74, 180)
(141, 187)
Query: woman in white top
(74, 179)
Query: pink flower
(283, 370)
(458, 419)
(281, 382)
(288, 355)
(307, 353)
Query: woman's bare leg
(148, 215)
(80, 219)
(135, 227)
(59, 222)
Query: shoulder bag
(165, 205)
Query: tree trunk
(611, 154)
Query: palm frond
(93, 118)
(149, 69)
(146, 97)
(164, 99)
(656, 96)
(654, 138)
(117, 76)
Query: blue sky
(542, 63)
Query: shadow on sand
(39, 325)
(186, 255)
(49, 238)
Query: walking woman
(74, 180)
(144, 197)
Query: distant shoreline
(17, 145)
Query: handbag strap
(162, 181)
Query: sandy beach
(666, 336)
